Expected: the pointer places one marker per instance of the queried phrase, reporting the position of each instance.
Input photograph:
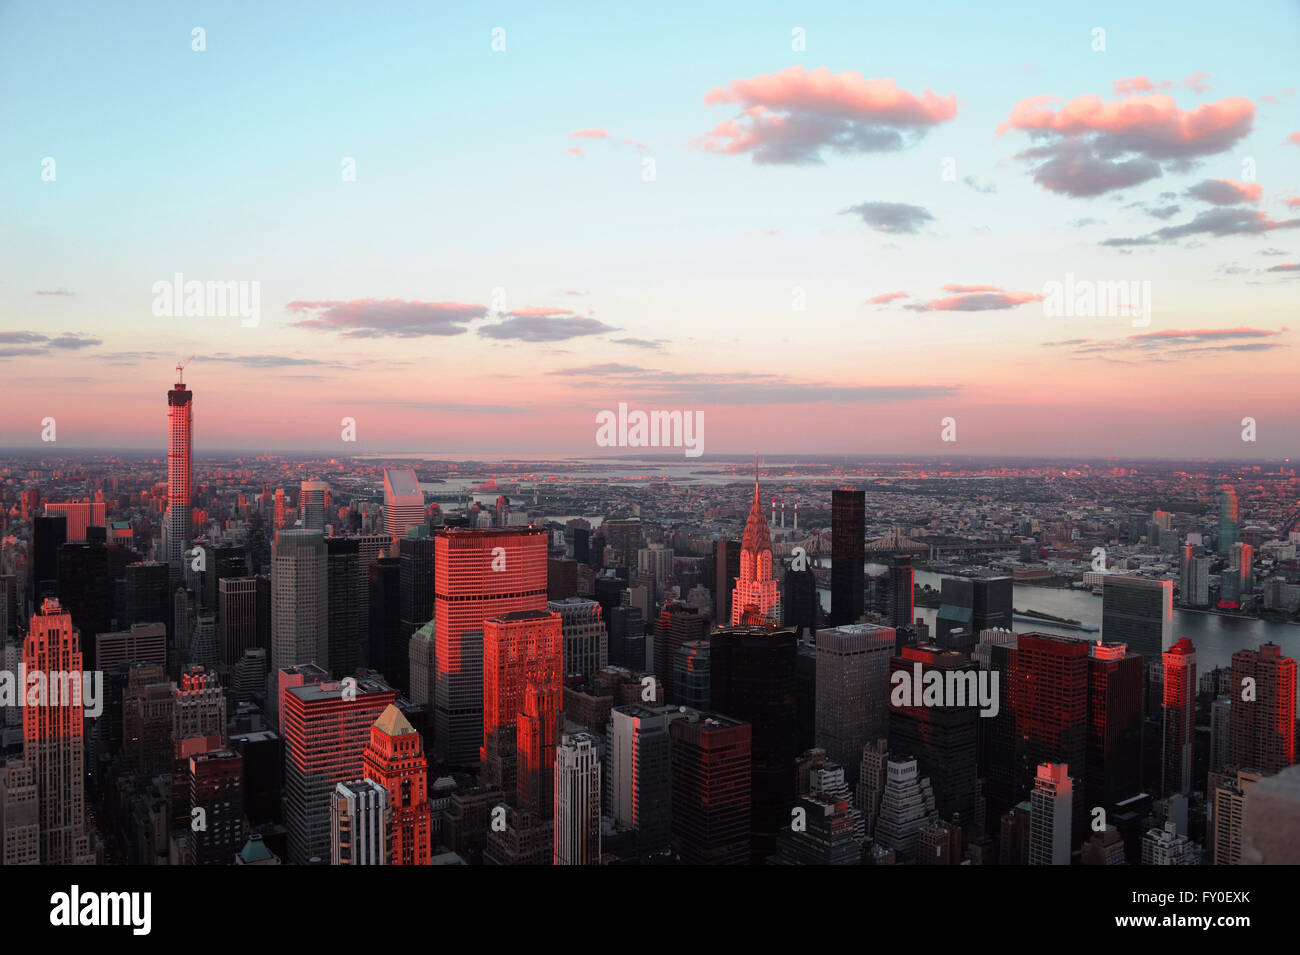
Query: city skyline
(840, 246)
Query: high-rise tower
(53, 737)
(756, 598)
(178, 524)
(848, 555)
(478, 574)
(395, 759)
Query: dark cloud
(890, 217)
(988, 188)
(381, 318)
(544, 328)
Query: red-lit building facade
(395, 759)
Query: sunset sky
(830, 249)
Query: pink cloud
(1136, 84)
(575, 151)
(589, 134)
(531, 311)
(886, 297)
(794, 115)
(1197, 82)
(636, 143)
(1294, 138)
(975, 298)
(1089, 147)
(1293, 202)
(1153, 125)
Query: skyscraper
(1051, 810)
(326, 728)
(1114, 753)
(394, 758)
(726, 567)
(1048, 699)
(1138, 612)
(311, 503)
(852, 690)
(520, 649)
(756, 599)
(752, 675)
(416, 555)
(941, 738)
(344, 624)
(237, 629)
(973, 605)
(1179, 717)
(299, 599)
(848, 554)
(1227, 520)
(901, 591)
(577, 800)
(711, 780)
(403, 502)
(640, 777)
(178, 523)
(478, 573)
(678, 624)
(586, 643)
(360, 823)
(1262, 714)
(216, 787)
(48, 535)
(53, 737)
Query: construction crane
(180, 370)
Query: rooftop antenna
(180, 370)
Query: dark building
(752, 678)
(1138, 612)
(221, 560)
(901, 591)
(148, 598)
(941, 738)
(385, 615)
(726, 568)
(561, 578)
(582, 546)
(343, 583)
(263, 756)
(216, 787)
(973, 605)
(710, 789)
(679, 623)
(848, 555)
(416, 556)
(86, 591)
(805, 696)
(800, 608)
(627, 638)
(1114, 756)
(48, 535)
(609, 594)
